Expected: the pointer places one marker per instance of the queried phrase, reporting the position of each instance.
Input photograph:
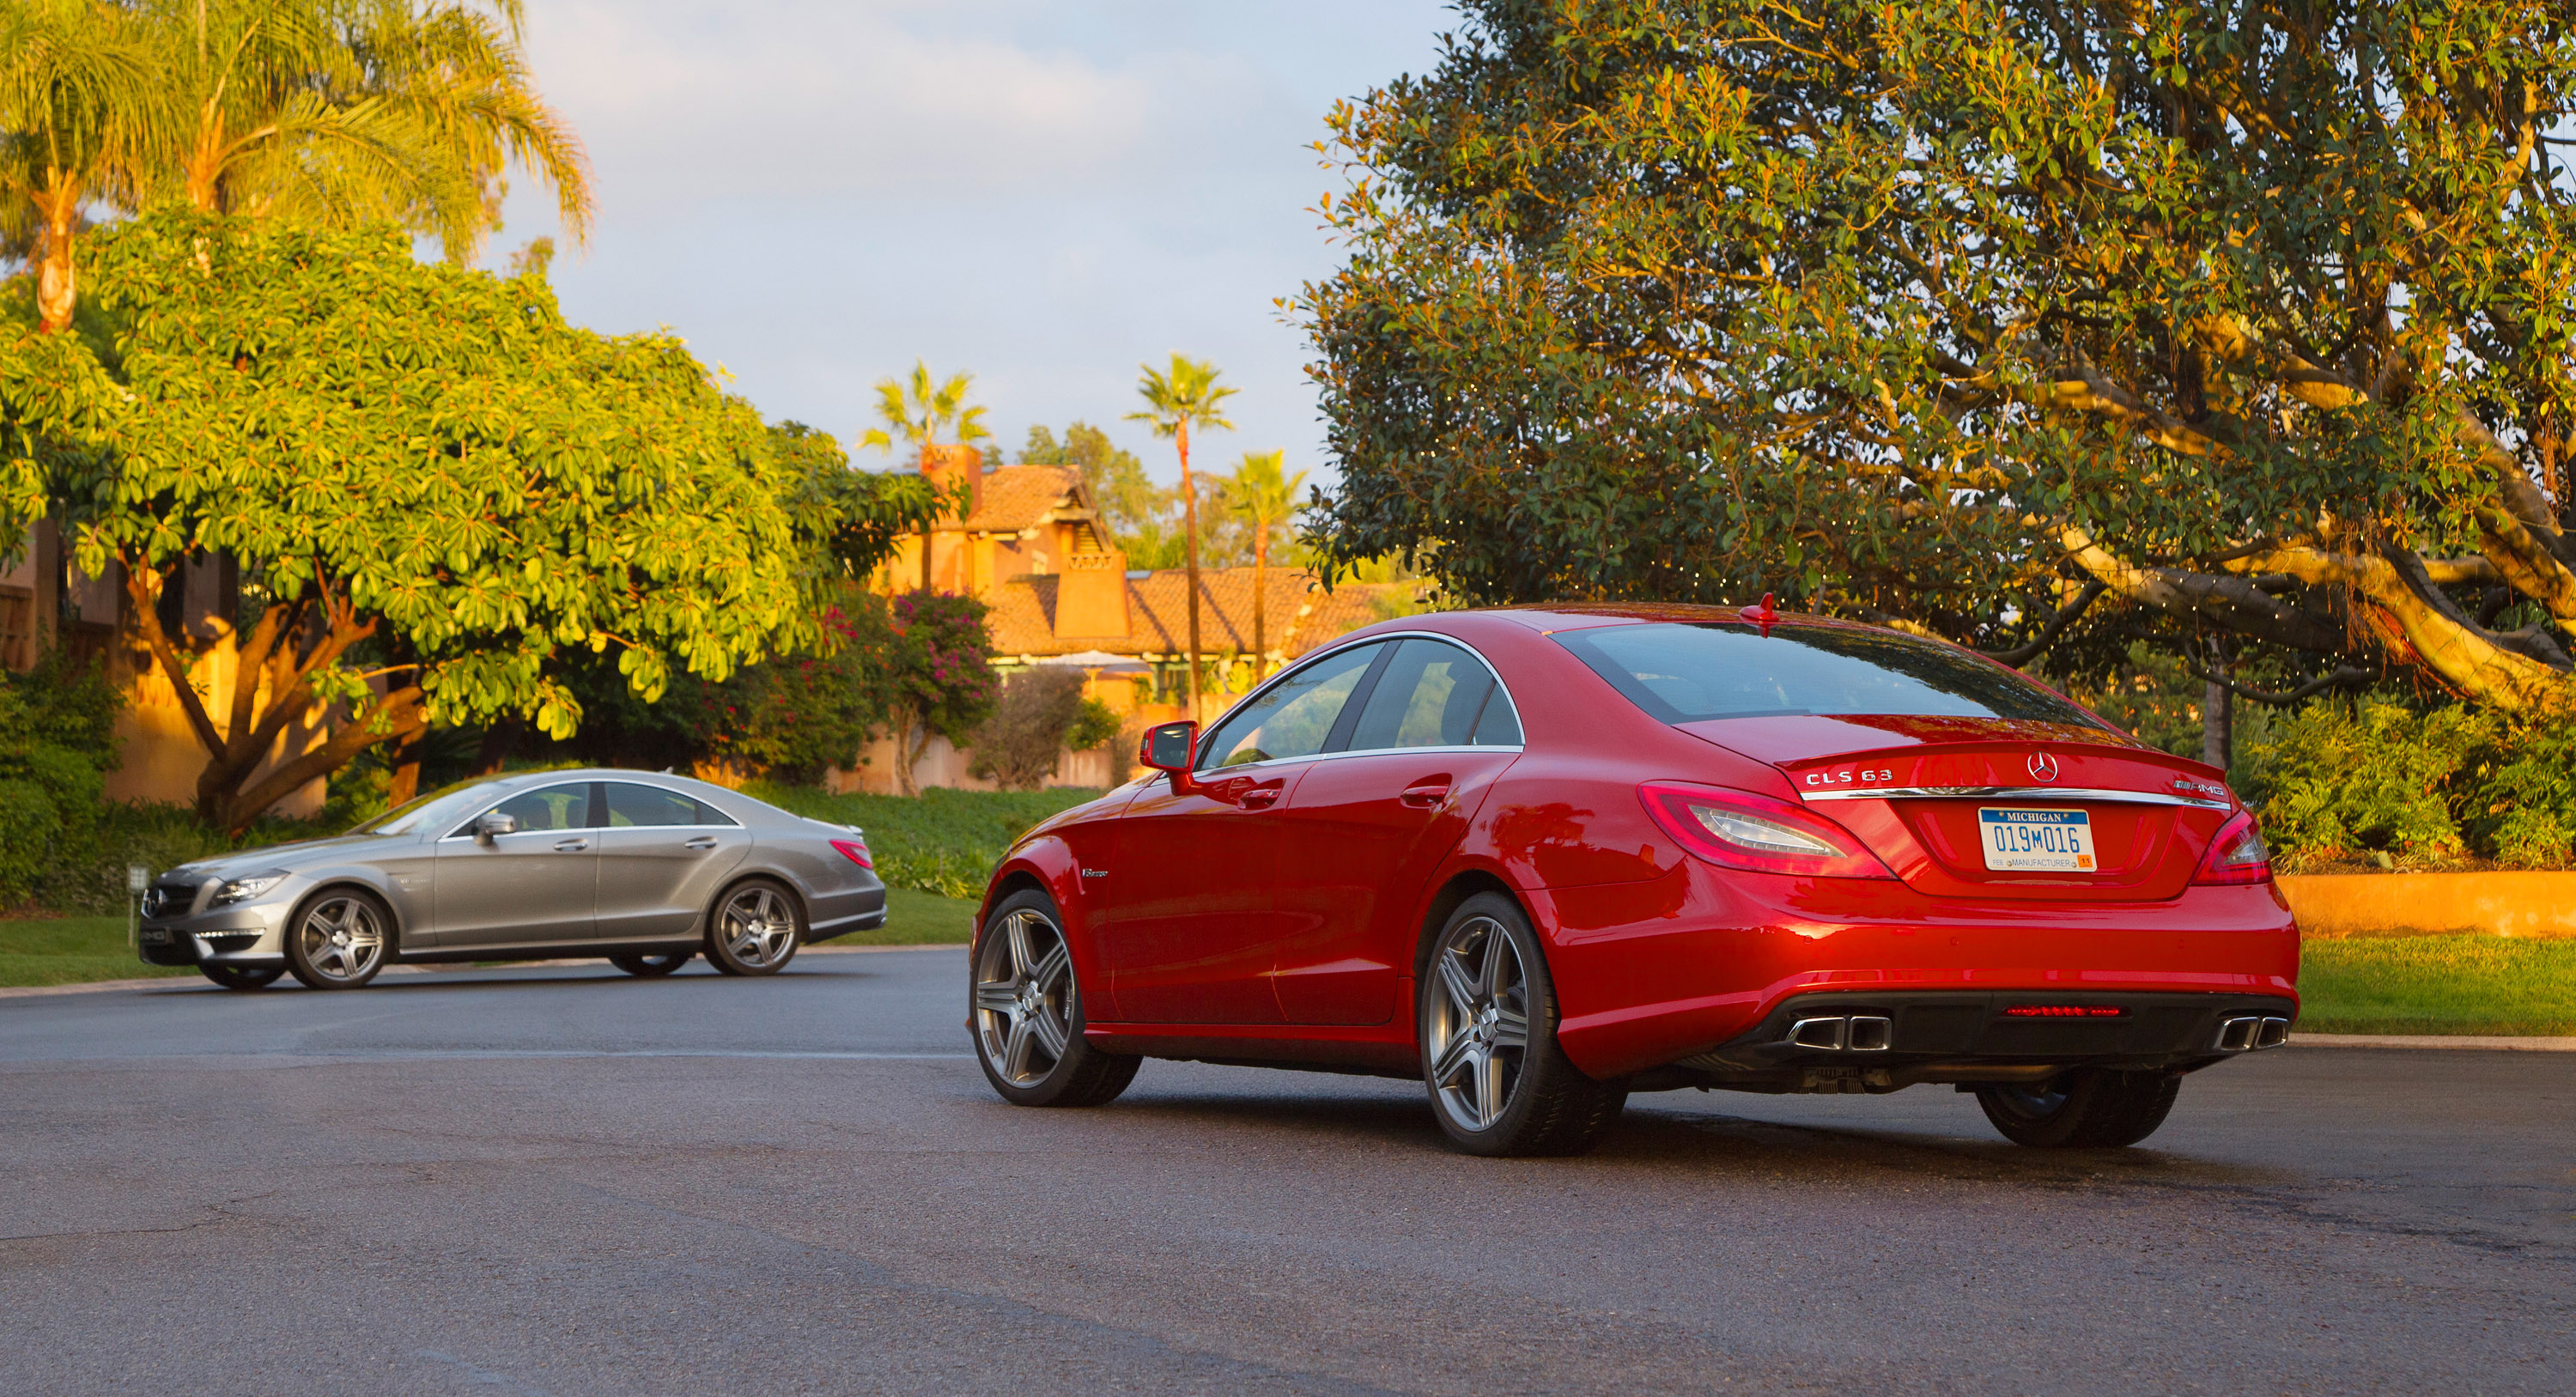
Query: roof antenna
(1766, 615)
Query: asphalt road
(565, 1181)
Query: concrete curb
(182, 981)
(2489, 1043)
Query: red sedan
(1542, 858)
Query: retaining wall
(2433, 904)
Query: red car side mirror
(1172, 747)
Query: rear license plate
(2037, 841)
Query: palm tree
(338, 112)
(79, 90)
(1263, 497)
(917, 412)
(1175, 404)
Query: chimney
(1091, 596)
(955, 462)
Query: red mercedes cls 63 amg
(1541, 858)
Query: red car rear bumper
(1653, 972)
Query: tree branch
(2048, 634)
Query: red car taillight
(2237, 855)
(1738, 829)
(855, 851)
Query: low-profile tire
(1500, 1084)
(243, 977)
(1024, 1010)
(2089, 1108)
(650, 967)
(755, 928)
(338, 939)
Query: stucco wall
(2433, 904)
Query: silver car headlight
(244, 889)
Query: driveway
(565, 1181)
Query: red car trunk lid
(1911, 788)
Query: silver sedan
(645, 870)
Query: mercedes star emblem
(2043, 767)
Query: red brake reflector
(855, 852)
(2065, 1011)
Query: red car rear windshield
(1686, 673)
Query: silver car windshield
(433, 809)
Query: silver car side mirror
(492, 824)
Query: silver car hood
(288, 858)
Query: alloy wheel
(1024, 997)
(758, 927)
(342, 938)
(1477, 1030)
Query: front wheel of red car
(1027, 1012)
(2089, 1108)
(1499, 1083)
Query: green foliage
(941, 841)
(432, 461)
(938, 667)
(55, 748)
(2426, 788)
(857, 516)
(798, 714)
(1915, 310)
(1094, 723)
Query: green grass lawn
(915, 918)
(2438, 984)
(70, 951)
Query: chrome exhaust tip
(2238, 1035)
(1828, 1035)
(2275, 1033)
(1870, 1033)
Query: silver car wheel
(341, 938)
(758, 927)
(1476, 1030)
(1024, 998)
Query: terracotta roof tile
(1300, 614)
(1020, 497)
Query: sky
(1047, 193)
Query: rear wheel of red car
(1027, 1012)
(2089, 1108)
(1499, 1083)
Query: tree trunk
(57, 289)
(406, 764)
(1190, 546)
(500, 742)
(2217, 713)
(911, 739)
(1260, 596)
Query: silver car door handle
(571, 846)
(704, 841)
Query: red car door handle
(1425, 793)
(1260, 798)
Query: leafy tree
(425, 461)
(915, 413)
(1186, 399)
(937, 673)
(2249, 320)
(80, 87)
(1129, 501)
(1263, 497)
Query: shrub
(57, 743)
(2372, 776)
(941, 841)
(1032, 721)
